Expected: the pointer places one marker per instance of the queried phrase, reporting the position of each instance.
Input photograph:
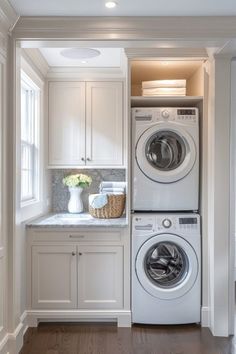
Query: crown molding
(8, 17)
(85, 73)
(126, 28)
(34, 56)
(162, 53)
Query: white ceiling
(125, 8)
(110, 57)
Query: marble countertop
(66, 220)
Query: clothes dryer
(165, 154)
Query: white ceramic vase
(75, 204)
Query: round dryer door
(167, 266)
(165, 153)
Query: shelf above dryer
(171, 101)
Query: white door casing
(3, 258)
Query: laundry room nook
(169, 120)
(152, 163)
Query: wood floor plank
(74, 338)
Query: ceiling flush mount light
(80, 53)
(110, 4)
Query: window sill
(31, 209)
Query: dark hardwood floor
(70, 338)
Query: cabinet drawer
(76, 236)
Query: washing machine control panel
(177, 223)
(167, 223)
(144, 224)
(188, 223)
(149, 224)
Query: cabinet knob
(82, 159)
(88, 159)
(73, 253)
(80, 254)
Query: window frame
(34, 206)
(32, 145)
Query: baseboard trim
(4, 345)
(205, 318)
(122, 317)
(13, 342)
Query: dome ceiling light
(80, 53)
(110, 4)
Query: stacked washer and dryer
(166, 239)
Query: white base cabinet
(100, 277)
(54, 277)
(73, 275)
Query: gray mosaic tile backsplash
(60, 193)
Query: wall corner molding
(8, 17)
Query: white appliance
(165, 151)
(166, 268)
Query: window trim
(34, 207)
(30, 85)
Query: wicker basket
(113, 209)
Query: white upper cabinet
(66, 123)
(104, 123)
(86, 124)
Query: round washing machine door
(167, 266)
(165, 153)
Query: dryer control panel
(165, 114)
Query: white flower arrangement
(78, 180)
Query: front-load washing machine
(165, 155)
(166, 268)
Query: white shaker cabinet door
(104, 123)
(100, 277)
(66, 137)
(54, 272)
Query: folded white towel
(109, 190)
(111, 184)
(164, 91)
(163, 83)
(109, 193)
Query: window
(30, 106)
